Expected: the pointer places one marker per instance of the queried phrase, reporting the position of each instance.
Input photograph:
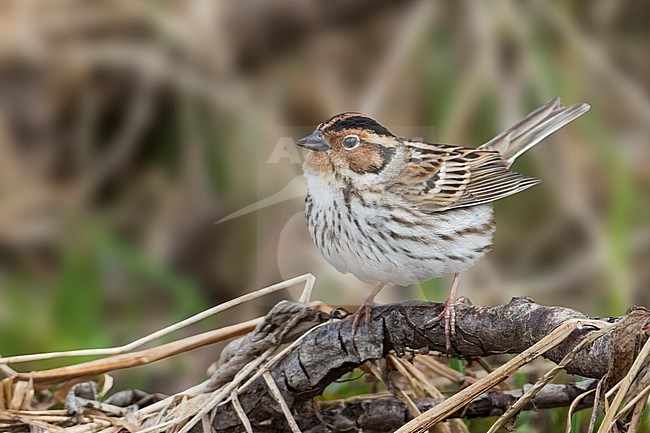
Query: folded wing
(439, 177)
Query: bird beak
(315, 141)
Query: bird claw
(364, 310)
(449, 315)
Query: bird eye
(350, 141)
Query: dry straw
(414, 376)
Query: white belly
(382, 240)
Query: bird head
(350, 145)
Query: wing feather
(439, 177)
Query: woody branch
(331, 351)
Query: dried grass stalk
(442, 411)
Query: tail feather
(534, 128)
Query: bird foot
(365, 309)
(449, 315)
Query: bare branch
(389, 413)
(331, 351)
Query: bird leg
(448, 313)
(365, 308)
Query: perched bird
(395, 211)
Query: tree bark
(331, 351)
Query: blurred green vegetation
(77, 310)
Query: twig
(368, 412)
(414, 383)
(6, 370)
(444, 370)
(573, 406)
(234, 384)
(414, 410)
(484, 365)
(240, 412)
(278, 327)
(308, 279)
(640, 396)
(275, 391)
(419, 386)
(40, 424)
(330, 351)
(216, 397)
(610, 415)
(142, 357)
(280, 356)
(548, 376)
(635, 422)
(597, 397)
(459, 426)
(442, 411)
(206, 426)
(325, 351)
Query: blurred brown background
(127, 129)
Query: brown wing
(439, 177)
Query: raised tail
(534, 128)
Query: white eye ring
(351, 141)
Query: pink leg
(365, 309)
(449, 313)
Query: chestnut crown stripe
(354, 121)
